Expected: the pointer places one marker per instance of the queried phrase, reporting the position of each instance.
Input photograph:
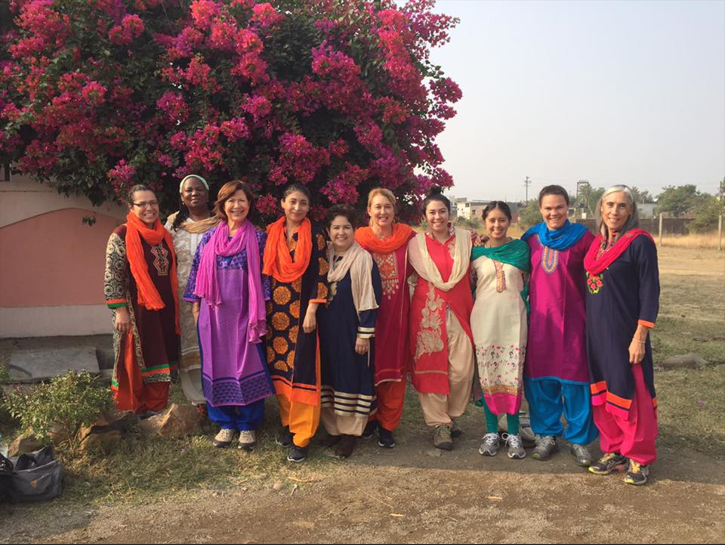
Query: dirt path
(412, 495)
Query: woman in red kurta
(387, 241)
(440, 332)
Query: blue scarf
(561, 239)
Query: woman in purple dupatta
(229, 294)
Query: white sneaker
(490, 444)
(247, 440)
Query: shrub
(63, 405)
(4, 376)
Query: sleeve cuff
(365, 332)
(117, 303)
(645, 323)
(318, 301)
(190, 299)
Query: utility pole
(527, 183)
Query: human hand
(122, 323)
(362, 346)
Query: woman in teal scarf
(499, 324)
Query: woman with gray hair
(622, 303)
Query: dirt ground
(413, 494)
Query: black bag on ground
(36, 477)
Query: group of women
(332, 321)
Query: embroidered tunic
(499, 324)
(624, 295)
(292, 355)
(233, 369)
(392, 357)
(429, 308)
(347, 377)
(557, 325)
(155, 344)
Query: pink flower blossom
(266, 15)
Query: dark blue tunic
(618, 299)
(348, 378)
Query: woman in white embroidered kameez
(187, 227)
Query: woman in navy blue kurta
(622, 305)
(347, 331)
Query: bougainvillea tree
(97, 95)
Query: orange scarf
(368, 240)
(148, 295)
(278, 262)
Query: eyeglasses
(151, 204)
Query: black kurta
(618, 299)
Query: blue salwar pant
(549, 398)
(238, 417)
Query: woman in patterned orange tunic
(387, 241)
(295, 258)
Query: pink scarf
(207, 286)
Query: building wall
(51, 262)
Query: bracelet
(642, 342)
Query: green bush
(62, 406)
(4, 375)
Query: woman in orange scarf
(295, 259)
(141, 290)
(387, 241)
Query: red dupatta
(596, 262)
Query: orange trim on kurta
(367, 239)
(598, 388)
(129, 393)
(645, 323)
(115, 301)
(278, 261)
(148, 295)
(620, 401)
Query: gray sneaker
(442, 438)
(515, 446)
(247, 440)
(545, 447)
(581, 454)
(489, 445)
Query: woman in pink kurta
(440, 330)
(556, 373)
(387, 241)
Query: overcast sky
(609, 91)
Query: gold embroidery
(388, 267)
(500, 277)
(331, 293)
(294, 310)
(280, 321)
(282, 295)
(291, 360)
(430, 336)
(270, 354)
(452, 247)
(293, 333)
(281, 366)
(297, 285)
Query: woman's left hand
(310, 323)
(362, 346)
(636, 352)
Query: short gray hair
(632, 221)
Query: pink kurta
(557, 323)
(428, 333)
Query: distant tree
(707, 215)
(678, 200)
(473, 223)
(587, 197)
(642, 196)
(530, 215)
